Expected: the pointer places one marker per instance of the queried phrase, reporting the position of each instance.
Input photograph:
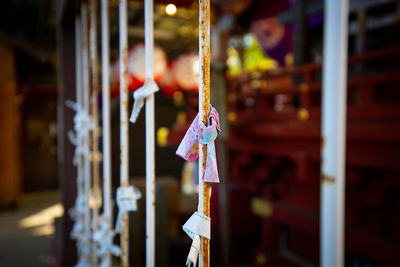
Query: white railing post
(334, 133)
(105, 57)
(79, 103)
(124, 141)
(86, 108)
(150, 150)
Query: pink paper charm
(199, 133)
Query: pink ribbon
(199, 133)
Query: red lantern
(136, 68)
(185, 72)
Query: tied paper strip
(86, 248)
(82, 125)
(199, 133)
(127, 201)
(104, 237)
(76, 214)
(197, 225)
(149, 88)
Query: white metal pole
(78, 97)
(124, 145)
(95, 191)
(150, 159)
(204, 109)
(105, 57)
(86, 107)
(334, 132)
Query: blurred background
(266, 84)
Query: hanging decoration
(200, 133)
(198, 224)
(185, 72)
(136, 68)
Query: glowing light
(43, 217)
(171, 9)
(42, 221)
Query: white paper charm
(149, 88)
(197, 225)
(104, 237)
(127, 201)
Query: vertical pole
(204, 108)
(105, 56)
(95, 190)
(150, 160)
(78, 73)
(333, 132)
(85, 79)
(123, 77)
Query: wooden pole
(123, 77)
(105, 56)
(150, 150)
(204, 109)
(95, 190)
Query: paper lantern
(185, 72)
(167, 83)
(137, 63)
(137, 68)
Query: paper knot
(104, 236)
(76, 213)
(83, 123)
(197, 133)
(197, 225)
(149, 88)
(127, 201)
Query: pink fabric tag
(198, 132)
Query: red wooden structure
(274, 156)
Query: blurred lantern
(137, 68)
(233, 62)
(167, 83)
(137, 65)
(255, 58)
(185, 72)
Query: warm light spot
(45, 216)
(42, 221)
(171, 9)
(303, 114)
(47, 229)
(162, 136)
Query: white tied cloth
(104, 236)
(83, 263)
(149, 88)
(197, 225)
(78, 136)
(83, 123)
(127, 201)
(76, 214)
